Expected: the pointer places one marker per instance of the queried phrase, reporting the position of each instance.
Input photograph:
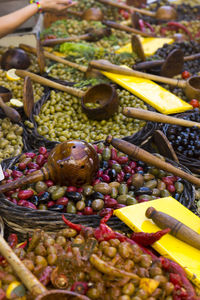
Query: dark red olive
(15, 58)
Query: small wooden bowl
(5, 94)
(61, 295)
(105, 96)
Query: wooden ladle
(10, 112)
(138, 153)
(163, 13)
(125, 28)
(92, 35)
(103, 95)
(5, 94)
(90, 14)
(30, 281)
(178, 229)
(191, 86)
(89, 72)
(73, 162)
(147, 115)
(157, 63)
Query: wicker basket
(24, 220)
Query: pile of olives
(61, 118)
(11, 142)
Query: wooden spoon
(163, 13)
(89, 72)
(137, 153)
(119, 26)
(157, 63)
(103, 95)
(30, 281)
(173, 64)
(137, 47)
(10, 112)
(5, 94)
(90, 14)
(152, 116)
(28, 96)
(93, 35)
(178, 229)
(40, 54)
(191, 86)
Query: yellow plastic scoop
(168, 246)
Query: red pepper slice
(180, 26)
(77, 227)
(147, 239)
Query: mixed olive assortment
(61, 118)
(112, 268)
(11, 142)
(119, 182)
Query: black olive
(56, 207)
(180, 148)
(35, 200)
(143, 190)
(88, 202)
(112, 174)
(44, 198)
(132, 188)
(74, 196)
(104, 164)
(96, 195)
(127, 176)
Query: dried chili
(76, 227)
(141, 25)
(147, 239)
(104, 232)
(12, 240)
(177, 25)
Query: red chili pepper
(147, 239)
(180, 26)
(77, 227)
(194, 103)
(148, 25)
(185, 74)
(13, 240)
(175, 279)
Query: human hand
(59, 6)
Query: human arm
(10, 22)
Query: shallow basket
(24, 220)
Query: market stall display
(72, 158)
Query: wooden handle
(54, 58)
(50, 83)
(107, 66)
(75, 13)
(28, 96)
(178, 229)
(31, 178)
(139, 154)
(29, 280)
(118, 26)
(131, 9)
(40, 54)
(53, 42)
(10, 112)
(147, 115)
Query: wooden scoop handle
(131, 9)
(147, 115)
(105, 65)
(118, 26)
(139, 154)
(50, 83)
(157, 63)
(29, 280)
(178, 229)
(53, 42)
(31, 178)
(53, 57)
(75, 13)
(10, 112)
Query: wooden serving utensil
(138, 153)
(157, 63)
(30, 281)
(137, 47)
(5, 94)
(104, 95)
(90, 14)
(89, 72)
(10, 112)
(163, 12)
(152, 116)
(191, 86)
(92, 35)
(125, 28)
(28, 96)
(73, 162)
(178, 229)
